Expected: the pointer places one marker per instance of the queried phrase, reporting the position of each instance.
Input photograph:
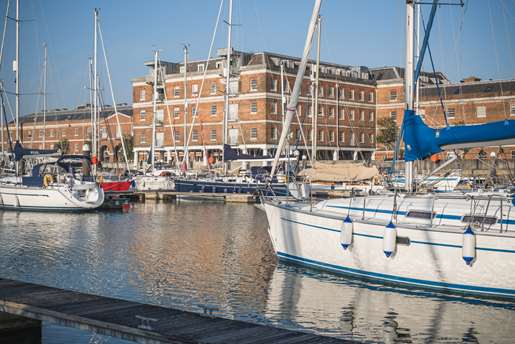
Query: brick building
(470, 101)
(75, 127)
(346, 119)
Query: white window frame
(253, 107)
(253, 85)
(212, 135)
(214, 88)
(253, 134)
(142, 95)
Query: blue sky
(476, 40)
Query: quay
(131, 320)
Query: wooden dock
(199, 196)
(135, 321)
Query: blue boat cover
(20, 152)
(422, 141)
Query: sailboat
(452, 242)
(63, 184)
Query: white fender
(469, 246)
(389, 239)
(346, 232)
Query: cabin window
(479, 219)
(420, 214)
(481, 112)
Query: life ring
(47, 180)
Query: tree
(129, 147)
(62, 145)
(387, 132)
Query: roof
(80, 113)
(495, 87)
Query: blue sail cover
(19, 151)
(422, 141)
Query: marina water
(216, 258)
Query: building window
(371, 97)
(273, 133)
(342, 114)
(481, 112)
(193, 111)
(352, 115)
(177, 92)
(393, 115)
(362, 96)
(177, 136)
(194, 135)
(321, 91)
(321, 136)
(142, 115)
(331, 111)
(352, 139)
(160, 116)
(41, 133)
(142, 139)
(331, 136)
(142, 95)
(52, 133)
(451, 113)
(200, 68)
(76, 148)
(352, 94)
(321, 110)
(310, 135)
(213, 109)
(371, 116)
(513, 110)
(253, 133)
(273, 107)
(371, 138)
(253, 85)
(310, 111)
(273, 85)
(342, 93)
(362, 138)
(176, 112)
(253, 107)
(362, 116)
(298, 135)
(194, 90)
(331, 92)
(103, 133)
(342, 136)
(212, 136)
(214, 88)
(393, 95)
(76, 132)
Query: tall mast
(283, 97)
(408, 82)
(45, 61)
(314, 125)
(154, 111)
(186, 153)
(417, 54)
(17, 70)
(227, 77)
(95, 94)
(294, 98)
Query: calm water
(192, 255)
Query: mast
(227, 78)
(186, 153)
(154, 111)
(315, 115)
(408, 82)
(417, 55)
(95, 95)
(294, 98)
(45, 62)
(283, 97)
(17, 70)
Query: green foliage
(63, 146)
(388, 132)
(129, 147)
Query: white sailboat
(59, 185)
(452, 242)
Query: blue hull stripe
(403, 280)
(403, 213)
(412, 241)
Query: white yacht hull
(432, 259)
(52, 198)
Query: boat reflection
(358, 310)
